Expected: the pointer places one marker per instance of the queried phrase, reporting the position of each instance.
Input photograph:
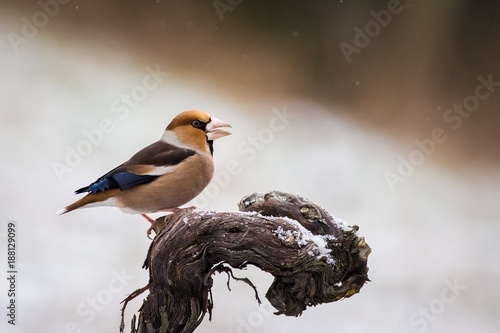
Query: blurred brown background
(429, 55)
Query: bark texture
(313, 257)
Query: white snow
(301, 236)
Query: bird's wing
(144, 167)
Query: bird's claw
(148, 232)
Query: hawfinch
(165, 174)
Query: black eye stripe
(198, 124)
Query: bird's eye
(197, 124)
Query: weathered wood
(313, 257)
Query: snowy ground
(433, 237)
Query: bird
(162, 176)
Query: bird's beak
(216, 128)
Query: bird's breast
(182, 184)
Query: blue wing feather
(126, 179)
(101, 185)
(158, 154)
(121, 180)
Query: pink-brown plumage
(164, 175)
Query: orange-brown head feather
(190, 128)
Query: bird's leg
(150, 220)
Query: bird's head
(197, 129)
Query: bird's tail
(91, 199)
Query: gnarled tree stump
(313, 257)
